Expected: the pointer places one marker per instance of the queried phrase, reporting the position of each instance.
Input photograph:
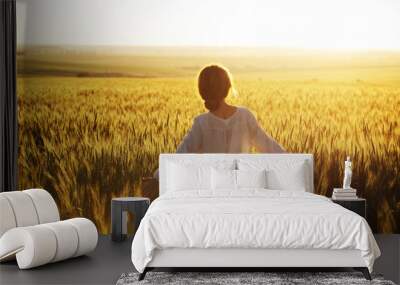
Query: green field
(92, 121)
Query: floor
(103, 266)
(110, 260)
(389, 262)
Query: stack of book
(344, 194)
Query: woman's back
(236, 134)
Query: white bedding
(251, 218)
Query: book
(349, 196)
(342, 190)
(344, 198)
(345, 194)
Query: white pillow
(251, 178)
(281, 174)
(223, 179)
(292, 178)
(188, 177)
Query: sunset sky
(368, 24)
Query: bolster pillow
(26, 208)
(40, 244)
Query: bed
(247, 210)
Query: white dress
(237, 134)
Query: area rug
(244, 278)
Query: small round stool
(119, 208)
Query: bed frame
(246, 258)
(243, 259)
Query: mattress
(250, 219)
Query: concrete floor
(110, 260)
(389, 262)
(103, 266)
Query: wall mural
(94, 115)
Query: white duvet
(250, 219)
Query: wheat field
(88, 137)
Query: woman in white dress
(225, 128)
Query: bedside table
(357, 205)
(119, 207)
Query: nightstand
(119, 207)
(357, 205)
